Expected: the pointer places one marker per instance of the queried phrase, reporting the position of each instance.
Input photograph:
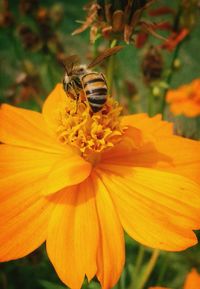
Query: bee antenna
(65, 68)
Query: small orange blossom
(77, 179)
(185, 99)
(192, 281)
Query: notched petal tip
(109, 264)
(73, 234)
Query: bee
(80, 77)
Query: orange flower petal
(73, 235)
(192, 280)
(58, 170)
(158, 209)
(23, 215)
(111, 251)
(183, 154)
(25, 232)
(68, 171)
(163, 150)
(188, 108)
(53, 104)
(148, 125)
(185, 99)
(26, 128)
(16, 160)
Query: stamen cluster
(89, 132)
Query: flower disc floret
(88, 131)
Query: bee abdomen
(96, 91)
(97, 99)
(93, 81)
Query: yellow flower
(76, 179)
(192, 281)
(185, 99)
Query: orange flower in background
(192, 281)
(185, 99)
(76, 179)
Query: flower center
(90, 132)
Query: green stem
(150, 103)
(163, 269)
(197, 121)
(175, 55)
(169, 77)
(110, 68)
(117, 87)
(3, 281)
(139, 260)
(138, 264)
(122, 281)
(149, 269)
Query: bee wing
(70, 62)
(105, 54)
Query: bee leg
(71, 90)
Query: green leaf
(49, 285)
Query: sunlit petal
(111, 256)
(26, 128)
(158, 209)
(73, 234)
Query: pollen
(90, 132)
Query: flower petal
(148, 125)
(68, 171)
(60, 170)
(73, 234)
(184, 155)
(16, 160)
(163, 150)
(143, 155)
(111, 251)
(52, 106)
(156, 208)
(26, 128)
(24, 215)
(192, 280)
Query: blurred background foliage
(35, 38)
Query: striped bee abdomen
(95, 88)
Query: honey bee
(80, 77)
